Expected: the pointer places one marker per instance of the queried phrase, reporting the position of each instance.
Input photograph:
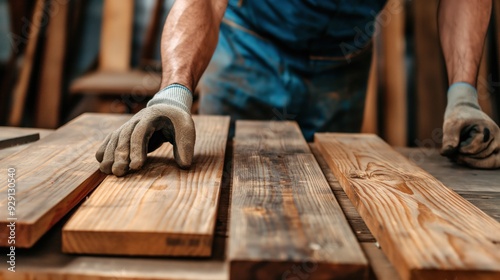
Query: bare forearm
(189, 39)
(462, 28)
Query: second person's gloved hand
(470, 137)
(167, 118)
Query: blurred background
(60, 58)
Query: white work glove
(167, 118)
(470, 137)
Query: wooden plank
(355, 221)
(22, 85)
(52, 70)
(393, 93)
(285, 221)
(160, 210)
(425, 229)
(12, 136)
(140, 84)
(370, 114)
(116, 35)
(451, 174)
(382, 268)
(53, 175)
(45, 260)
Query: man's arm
(189, 39)
(462, 29)
(469, 136)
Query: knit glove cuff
(175, 95)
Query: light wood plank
(285, 220)
(426, 230)
(357, 224)
(52, 69)
(116, 35)
(53, 175)
(451, 174)
(160, 210)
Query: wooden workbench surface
(46, 261)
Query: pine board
(283, 214)
(426, 230)
(160, 210)
(53, 175)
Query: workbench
(45, 260)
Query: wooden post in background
(431, 82)
(116, 35)
(50, 89)
(393, 73)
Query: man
(306, 58)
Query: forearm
(189, 39)
(462, 28)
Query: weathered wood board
(52, 176)
(284, 219)
(426, 230)
(160, 210)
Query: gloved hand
(470, 137)
(166, 118)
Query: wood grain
(53, 175)
(355, 221)
(425, 229)
(160, 210)
(284, 219)
(50, 89)
(20, 91)
(116, 35)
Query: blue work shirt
(316, 27)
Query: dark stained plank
(285, 220)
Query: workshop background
(60, 58)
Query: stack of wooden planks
(289, 217)
(54, 174)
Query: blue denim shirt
(316, 27)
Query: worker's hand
(470, 137)
(166, 118)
